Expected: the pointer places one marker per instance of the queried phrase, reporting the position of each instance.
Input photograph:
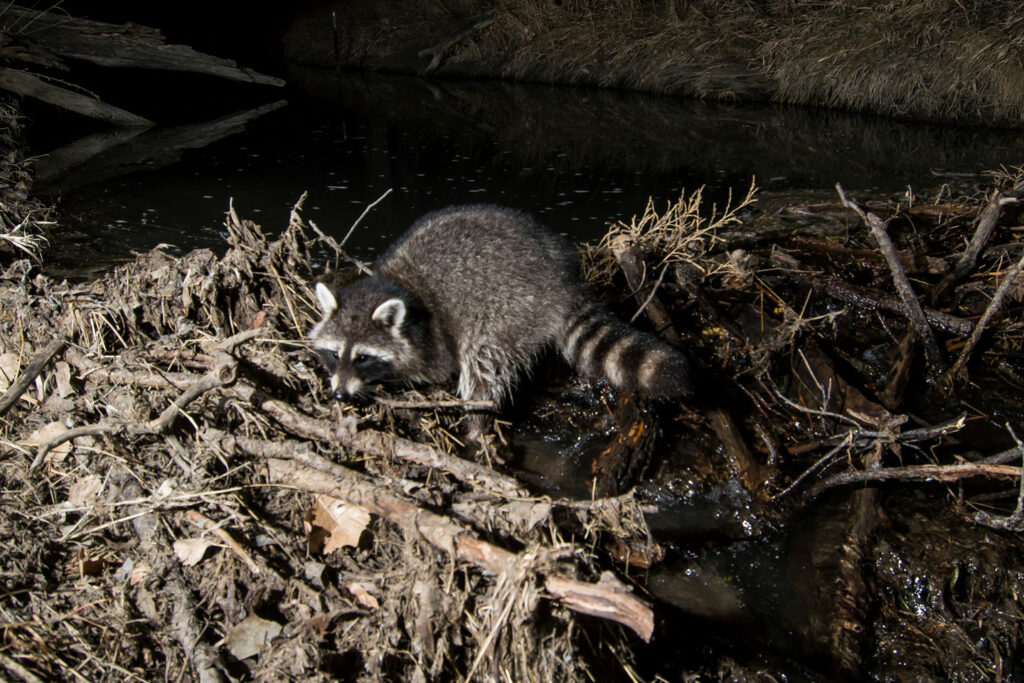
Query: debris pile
(181, 500)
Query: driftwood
(47, 39)
(608, 599)
(50, 37)
(22, 83)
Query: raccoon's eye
(362, 360)
(328, 356)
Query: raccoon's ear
(390, 313)
(328, 304)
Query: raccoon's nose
(339, 395)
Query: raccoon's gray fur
(477, 292)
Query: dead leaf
(62, 374)
(87, 562)
(334, 524)
(190, 551)
(45, 435)
(9, 367)
(362, 596)
(85, 491)
(251, 635)
(139, 573)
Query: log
(22, 83)
(114, 45)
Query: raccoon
(477, 293)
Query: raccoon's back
(489, 268)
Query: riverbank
(951, 62)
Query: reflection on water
(576, 158)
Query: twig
(224, 373)
(207, 524)
(867, 298)
(650, 297)
(820, 462)
(936, 473)
(1015, 522)
(228, 345)
(16, 669)
(86, 430)
(29, 374)
(899, 275)
(384, 445)
(486, 406)
(987, 220)
(994, 306)
(363, 215)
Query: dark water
(578, 159)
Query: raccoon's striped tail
(600, 345)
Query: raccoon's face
(364, 337)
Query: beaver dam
(182, 500)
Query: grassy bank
(924, 59)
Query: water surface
(576, 158)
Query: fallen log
(54, 36)
(22, 83)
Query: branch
(936, 473)
(381, 444)
(994, 306)
(29, 374)
(899, 275)
(603, 599)
(987, 220)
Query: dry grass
(678, 235)
(23, 221)
(929, 59)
